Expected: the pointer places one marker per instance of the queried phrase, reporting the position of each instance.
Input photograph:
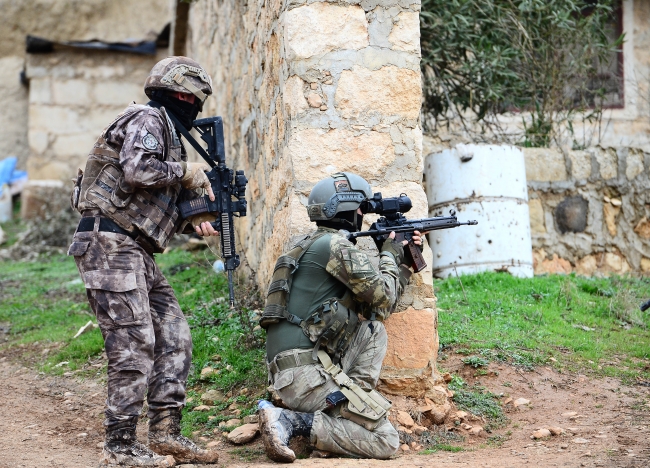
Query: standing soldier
(135, 176)
(323, 362)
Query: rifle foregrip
(194, 207)
(419, 263)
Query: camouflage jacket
(331, 267)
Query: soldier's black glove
(395, 248)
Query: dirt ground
(56, 422)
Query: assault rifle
(229, 189)
(393, 220)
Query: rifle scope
(386, 206)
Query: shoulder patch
(149, 141)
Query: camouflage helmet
(180, 74)
(342, 191)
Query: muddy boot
(122, 449)
(165, 438)
(277, 426)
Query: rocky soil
(56, 422)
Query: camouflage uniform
(147, 338)
(332, 266)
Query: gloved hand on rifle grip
(195, 177)
(395, 248)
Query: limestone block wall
(590, 210)
(110, 20)
(308, 88)
(73, 96)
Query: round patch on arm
(149, 141)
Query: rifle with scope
(393, 220)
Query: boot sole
(272, 450)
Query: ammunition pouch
(364, 407)
(331, 326)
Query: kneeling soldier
(323, 361)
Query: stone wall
(110, 20)
(73, 96)
(308, 88)
(589, 210)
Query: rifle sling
(183, 131)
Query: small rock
(541, 433)
(507, 401)
(206, 372)
(243, 434)
(520, 402)
(476, 430)
(244, 391)
(413, 444)
(556, 431)
(564, 446)
(68, 394)
(466, 426)
(446, 377)
(323, 107)
(328, 82)
(405, 419)
(580, 440)
(212, 396)
(552, 359)
(233, 422)
(424, 409)
(214, 443)
(232, 407)
(314, 86)
(314, 100)
(405, 448)
(407, 431)
(82, 434)
(251, 419)
(616, 202)
(573, 430)
(569, 414)
(222, 424)
(216, 358)
(203, 408)
(237, 412)
(461, 415)
(606, 199)
(203, 439)
(419, 430)
(327, 73)
(210, 418)
(100, 445)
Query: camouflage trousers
(305, 388)
(146, 336)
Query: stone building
(54, 104)
(309, 88)
(590, 208)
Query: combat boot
(165, 438)
(123, 449)
(277, 426)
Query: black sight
(386, 206)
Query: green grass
(583, 323)
(478, 401)
(44, 304)
(440, 441)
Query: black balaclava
(349, 220)
(184, 111)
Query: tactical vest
(330, 326)
(152, 211)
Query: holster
(364, 407)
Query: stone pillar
(308, 88)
